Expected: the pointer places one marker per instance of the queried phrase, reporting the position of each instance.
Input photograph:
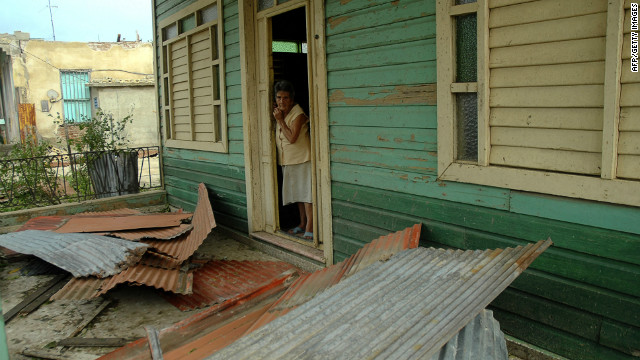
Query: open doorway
(289, 61)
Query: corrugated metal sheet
(169, 233)
(212, 328)
(80, 254)
(307, 286)
(179, 281)
(221, 280)
(79, 289)
(406, 307)
(54, 222)
(185, 245)
(480, 339)
(122, 222)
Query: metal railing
(56, 179)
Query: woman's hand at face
(278, 114)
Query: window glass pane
(210, 13)
(187, 23)
(216, 81)
(284, 46)
(466, 48)
(304, 48)
(467, 126)
(264, 4)
(460, 2)
(170, 32)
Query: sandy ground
(131, 308)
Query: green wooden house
(492, 122)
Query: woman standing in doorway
(294, 154)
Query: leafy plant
(100, 133)
(27, 175)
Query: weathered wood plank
(579, 27)
(559, 342)
(535, 11)
(606, 216)
(385, 95)
(418, 116)
(499, 3)
(216, 194)
(620, 337)
(559, 52)
(630, 119)
(628, 166)
(537, 309)
(588, 73)
(420, 185)
(213, 180)
(548, 96)
(555, 139)
(396, 138)
(334, 7)
(593, 240)
(557, 118)
(396, 159)
(403, 74)
(405, 31)
(595, 300)
(630, 95)
(629, 143)
(545, 159)
(207, 162)
(412, 52)
(388, 13)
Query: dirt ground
(131, 308)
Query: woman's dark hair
(284, 85)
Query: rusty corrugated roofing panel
(179, 281)
(44, 223)
(101, 223)
(182, 247)
(79, 289)
(221, 280)
(80, 254)
(114, 212)
(205, 331)
(408, 306)
(168, 233)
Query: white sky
(78, 20)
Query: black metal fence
(55, 179)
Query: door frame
(257, 179)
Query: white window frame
(606, 188)
(221, 144)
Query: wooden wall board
(422, 94)
(529, 12)
(580, 96)
(412, 52)
(211, 162)
(559, 118)
(605, 216)
(405, 31)
(621, 337)
(550, 313)
(403, 74)
(628, 166)
(394, 138)
(579, 27)
(384, 14)
(217, 194)
(209, 179)
(564, 139)
(560, 342)
(560, 52)
(397, 159)
(592, 240)
(574, 162)
(417, 116)
(588, 73)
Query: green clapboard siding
(222, 173)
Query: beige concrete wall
(39, 71)
(137, 101)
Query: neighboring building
(493, 123)
(73, 79)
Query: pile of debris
(94, 252)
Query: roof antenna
(51, 16)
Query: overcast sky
(78, 20)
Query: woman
(294, 154)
